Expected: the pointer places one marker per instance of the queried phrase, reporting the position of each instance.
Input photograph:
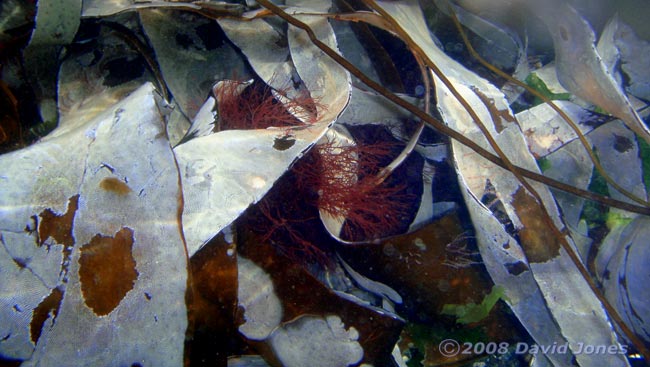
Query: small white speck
(420, 244)
(257, 182)
(228, 235)
(91, 133)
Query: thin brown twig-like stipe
(558, 110)
(444, 129)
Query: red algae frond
(285, 226)
(345, 178)
(255, 105)
(374, 211)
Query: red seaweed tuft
(255, 105)
(345, 179)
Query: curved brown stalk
(519, 172)
(444, 129)
(565, 117)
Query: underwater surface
(324, 183)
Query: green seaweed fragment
(593, 213)
(538, 84)
(471, 312)
(544, 164)
(616, 219)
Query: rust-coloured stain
(498, 116)
(49, 304)
(58, 226)
(114, 185)
(538, 241)
(107, 270)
